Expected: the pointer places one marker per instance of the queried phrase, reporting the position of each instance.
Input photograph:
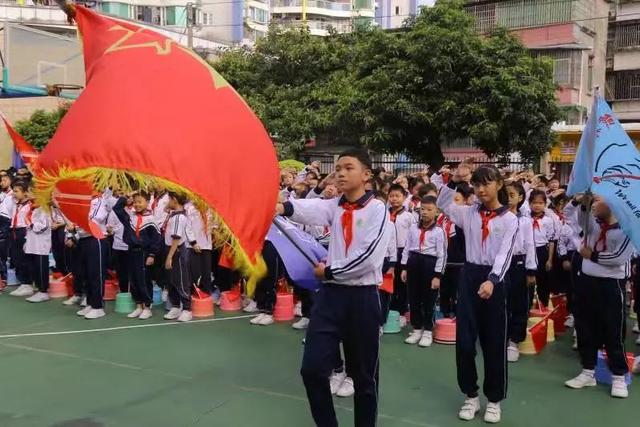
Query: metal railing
(624, 86)
(340, 26)
(15, 12)
(320, 4)
(516, 14)
(627, 35)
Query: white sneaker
(266, 320)
(165, 295)
(346, 389)
(619, 387)
(636, 328)
(39, 297)
(303, 323)
(185, 316)
(23, 291)
(513, 353)
(336, 380)
(146, 314)
(84, 311)
(636, 365)
(95, 313)
(173, 314)
(585, 379)
(256, 320)
(297, 310)
(414, 337)
(71, 301)
(469, 409)
(403, 322)
(426, 340)
(252, 307)
(135, 313)
(492, 413)
(83, 303)
(570, 322)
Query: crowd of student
(479, 244)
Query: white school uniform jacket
(524, 243)
(361, 263)
(403, 222)
(611, 257)
(38, 240)
(544, 230)
(497, 250)
(160, 210)
(392, 246)
(100, 208)
(5, 194)
(118, 231)
(19, 214)
(177, 228)
(199, 232)
(433, 243)
(566, 241)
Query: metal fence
(627, 35)
(399, 164)
(624, 85)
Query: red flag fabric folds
(24, 149)
(155, 114)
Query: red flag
(24, 149)
(154, 111)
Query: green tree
(40, 127)
(434, 80)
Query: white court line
(94, 360)
(120, 328)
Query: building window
(258, 15)
(624, 85)
(567, 65)
(628, 35)
(590, 74)
(397, 10)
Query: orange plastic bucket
(445, 331)
(201, 304)
(230, 301)
(283, 310)
(57, 289)
(111, 289)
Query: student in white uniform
(423, 262)
(544, 238)
(37, 248)
(490, 232)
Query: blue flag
(608, 163)
(292, 245)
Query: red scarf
(536, 221)
(394, 214)
(445, 223)
(486, 216)
(138, 224)
(19, 205)
(602, 237)
(423, 232)
(347, 223)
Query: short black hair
(429, 200)
(560, 198)
(465, 189)
(359, 153)
(144, 194)
(537, 193)
(180, 198)
(397, 187)
(21, 185)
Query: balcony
(519, 14)
(313, 7)
(319, 28)
(46, 15)
(627, 36)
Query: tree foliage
(40, 127)
(409, 90)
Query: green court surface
(226, 372)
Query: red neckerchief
(486, 216)
(423, 232)
(29, 215)
(445, 178)
(347, 218)
(536, 221)
(445, 223)
(602, 237)
(19, 205)
(394, 214)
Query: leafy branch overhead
(407, 90)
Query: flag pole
(282, 230)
